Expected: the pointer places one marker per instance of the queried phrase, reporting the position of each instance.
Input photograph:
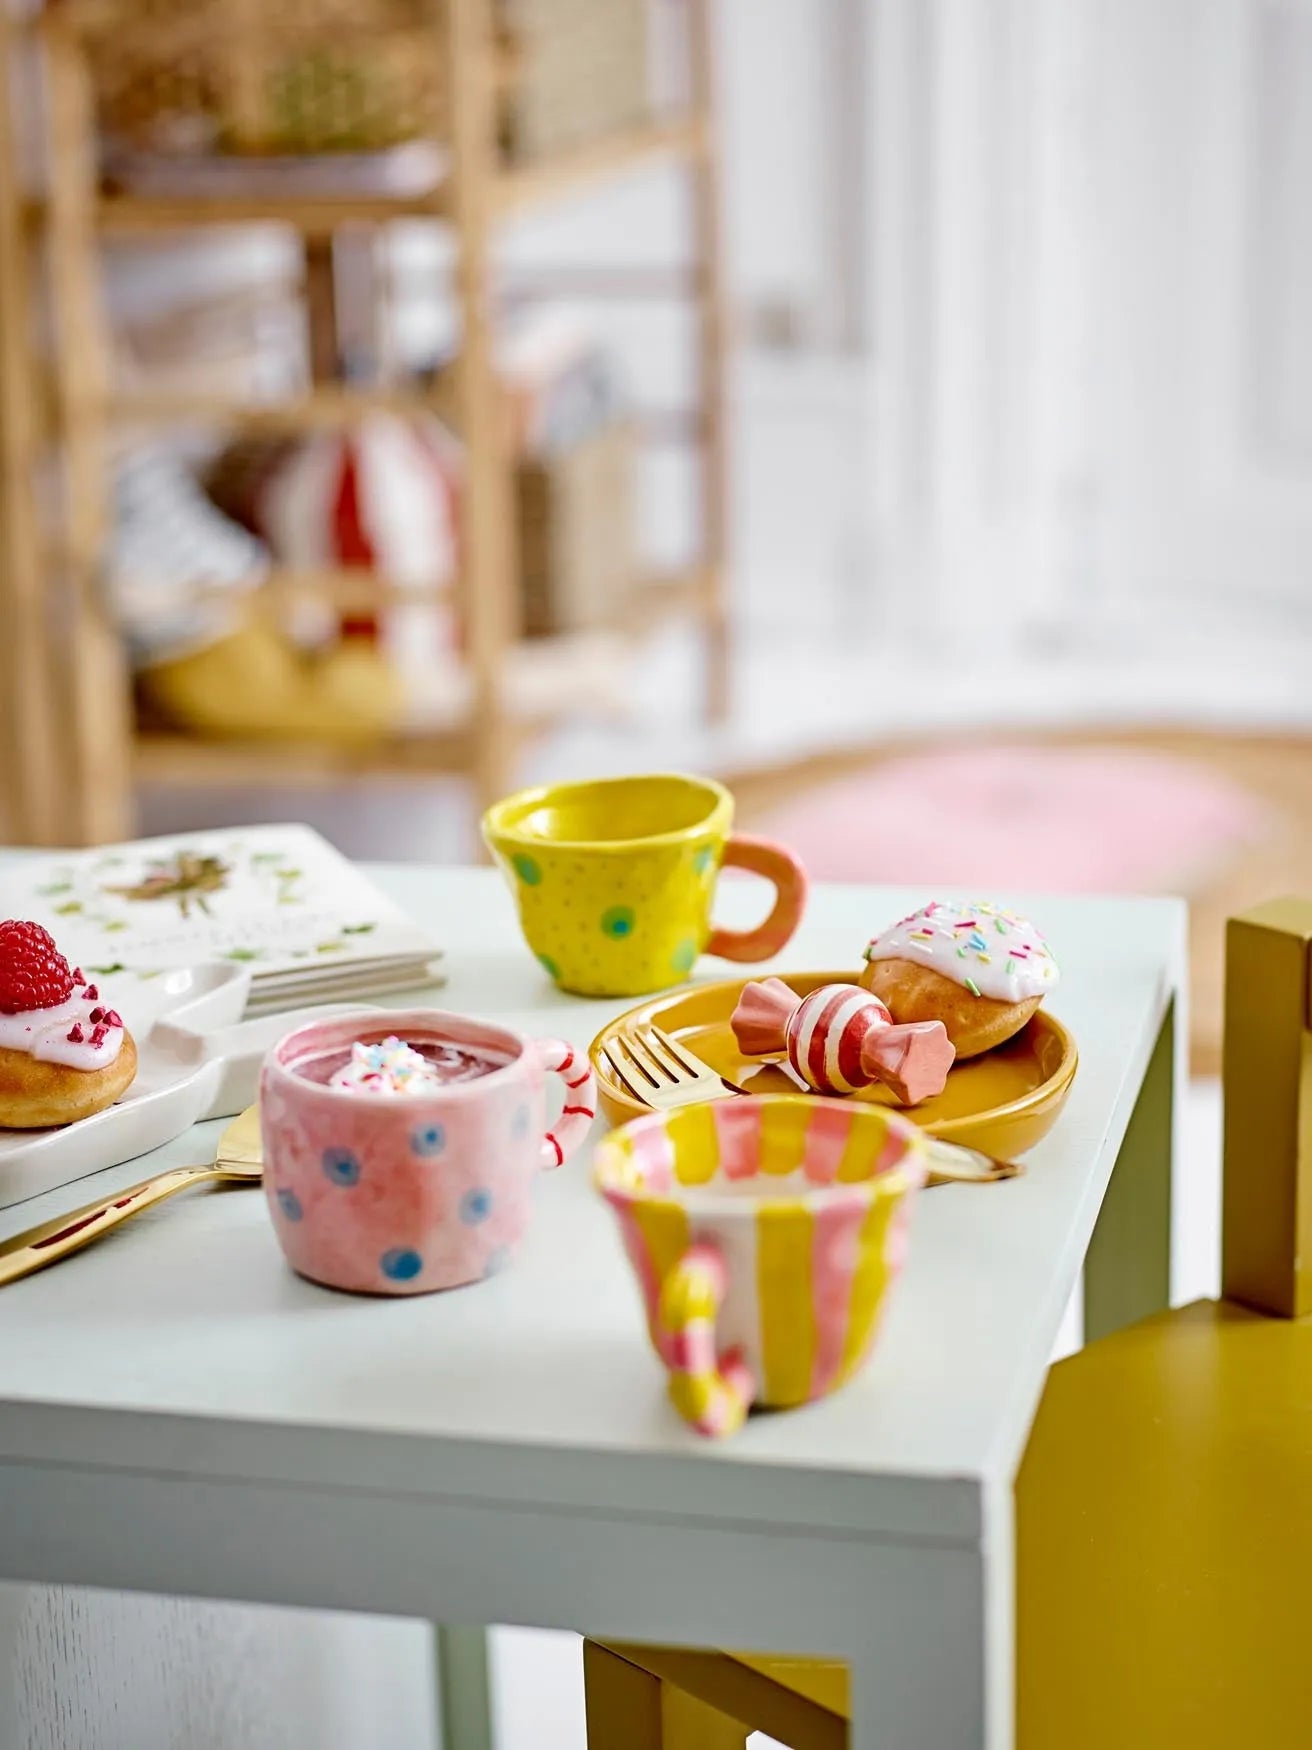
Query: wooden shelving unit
(74, 751)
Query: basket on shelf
(186, 78)
(265, 77)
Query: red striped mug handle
(571, 1064)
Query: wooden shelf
(568, 173)
(473, 720)
(327, 406)
(167, 757)
(667, 596)
(131, 213)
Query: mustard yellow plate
(1003, 1102)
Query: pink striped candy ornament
(840, 1038)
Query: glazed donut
(64, 1052)
(36, 1095)
(980, 970)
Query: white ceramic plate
(196, 1059)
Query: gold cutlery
(663, 1073)
(238, 1161)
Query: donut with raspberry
(64, 1051)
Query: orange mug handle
(779, 865)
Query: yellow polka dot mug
(614, 880)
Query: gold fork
(663, 1073)
(238, 1159)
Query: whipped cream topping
(389, 1066)
(83, 1033)
(992, 952)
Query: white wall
(1092, 259)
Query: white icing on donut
(44, 1034)
(992, 952)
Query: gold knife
(238, 1160)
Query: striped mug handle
(580, 1106)
(713, 1392)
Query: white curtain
(1088, 262)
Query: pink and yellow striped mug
(765, 1233)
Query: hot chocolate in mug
(400, 1148)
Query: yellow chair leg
(623, 1703)
(690, 1724)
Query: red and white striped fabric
(825, 1035)
(384, 495)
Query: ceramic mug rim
(703, 1203)
(719, 813)
(443, 1024)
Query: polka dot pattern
(619, 921)
(519, 1123)
(428, 1140)
(615, 925)
(401, 1264)
(290, 1204)
(341, 1166)
(684, 956)
(475, 1207)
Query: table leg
(13, 1601)
(1127, 1273)
(464, 1691)
(938, 1671)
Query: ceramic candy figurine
(840, 1038)
(979, 970)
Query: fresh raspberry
(33, 973)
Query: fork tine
(673, 1049)
(674, 1066)
(645, 1058)
(623, 1077)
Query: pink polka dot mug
(400, 1148)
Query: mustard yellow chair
(1164, 1505)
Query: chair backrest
(1266, 1221)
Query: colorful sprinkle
(972, 987)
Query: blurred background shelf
(480, 508)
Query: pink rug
(1075, 820)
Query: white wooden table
(179, 1414)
